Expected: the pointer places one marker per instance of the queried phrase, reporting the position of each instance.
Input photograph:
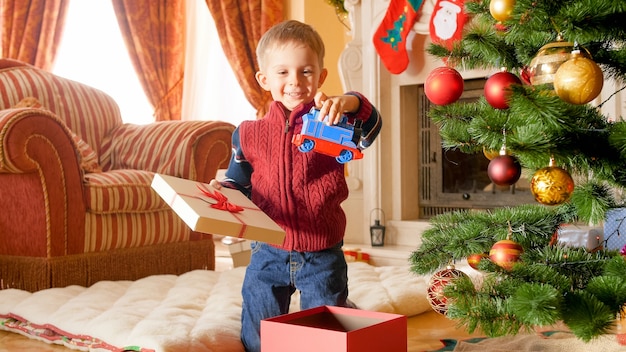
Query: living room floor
(424, 330)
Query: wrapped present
(240, 252)
(589, 237)
(225, 212)
(355, 255)
(615, 229)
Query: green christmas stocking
(390, 37)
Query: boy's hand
(334, 107)
(215, 184)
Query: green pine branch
(584, 290)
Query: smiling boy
(302, 192)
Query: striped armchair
(76, 206)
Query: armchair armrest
(40, 185)
(188, 149)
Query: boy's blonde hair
(290, 31)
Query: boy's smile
(292, 74)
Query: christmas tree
(549, 58)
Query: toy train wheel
(344, 156)
(306, 146)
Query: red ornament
(525, 76)
(500, 27)
(474, 259)
(497, 89)
(504, 253)
(438, 301)
(504, 170)
(443, 86)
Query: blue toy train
(339, 141)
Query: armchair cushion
(123, 190)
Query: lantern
(377, 230)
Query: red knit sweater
(302, 192)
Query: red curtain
(240, 25)
(154, 33)
(32, 29)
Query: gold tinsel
(338, 5)
(340, 11)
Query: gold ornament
(578, 80)
(501, 9)
(548, 59)
(490, 153)
(552, 185)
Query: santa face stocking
(390, 37)
(446, 23)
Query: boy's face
(292, 73)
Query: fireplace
(450, 179)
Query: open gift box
(334, 329)
(225, 212)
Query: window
(92, 51)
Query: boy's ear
(323, 76)
(262, 79)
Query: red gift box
(226, 212)
(334, 329)
(356, 256)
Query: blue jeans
(273, 275)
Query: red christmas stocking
(446, 22)
(390, 37)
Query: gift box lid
(225, 212)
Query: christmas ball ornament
(525, 75)
(490, 153)
(548, 59)
(497, 89)
(578, 80)
(474, 259)
(436, 285)
(501, 9)
(552, 185)
(504, 170)
(443, 86)
(500, 27)
(505, 253)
